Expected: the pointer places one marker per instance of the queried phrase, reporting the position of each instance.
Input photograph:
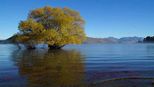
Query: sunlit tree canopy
(53, 26)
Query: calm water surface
(101, 65)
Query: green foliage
(53, 26)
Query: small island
(149, 39)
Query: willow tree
(53, 26)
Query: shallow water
(93, 65)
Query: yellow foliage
(53, 26)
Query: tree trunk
(55, 47)
(18, 45)
(31, 47)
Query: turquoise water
(92, 65)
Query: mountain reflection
(54, 68)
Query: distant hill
(9, 40)
(149, 39)
(4, 41)
(91, 40)
(131, 39)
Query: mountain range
(91, 40)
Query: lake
(88, 65)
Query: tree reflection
(54, 68)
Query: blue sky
(104, 18)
